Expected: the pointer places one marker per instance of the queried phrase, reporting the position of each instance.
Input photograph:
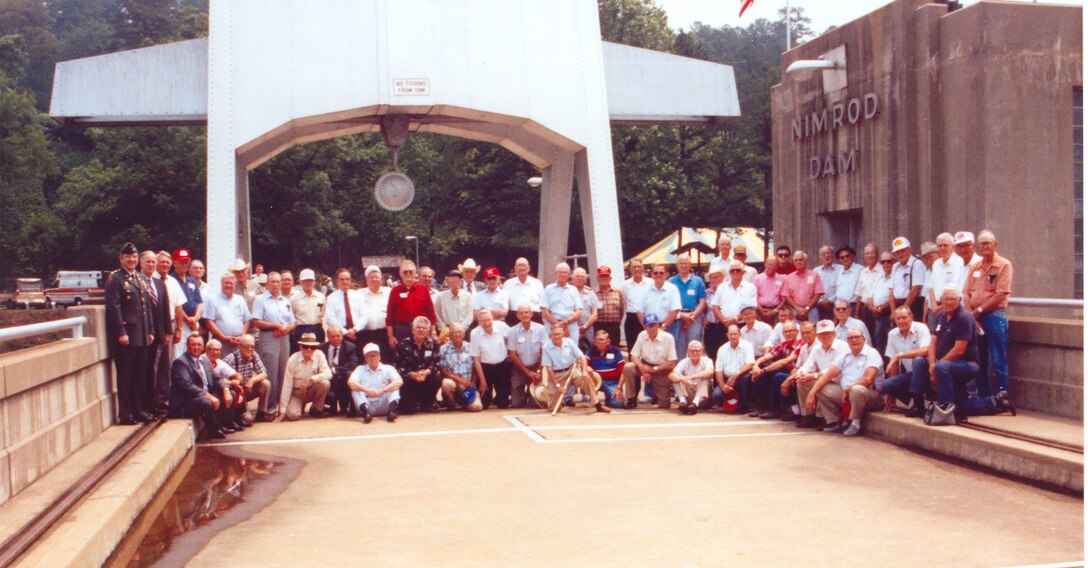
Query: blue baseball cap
(468, 396)
(651, 319)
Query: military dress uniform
(128, 312)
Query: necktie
(200, 372)
(154, 294)
(347, 311)
(335, 350)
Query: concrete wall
(1046, 365)
(973, 130)
(54, 399)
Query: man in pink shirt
(770, 287)
(803, 289)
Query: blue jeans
(777, 401)
(996, 341)
(952, 379)
(742, 385)
(907, 386)
(609, 387)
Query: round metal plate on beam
(394, 191)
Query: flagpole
(789, 28)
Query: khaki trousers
(554, 382)
(697, 391)
(662, 387)
(802, 393)
(315, 394)
(862, 399)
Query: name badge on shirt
(691, 292)
(938, 328)
(610, 356)
(521, 340)
(810, 279)
(976, 273)
(404, 294)
(427, 353)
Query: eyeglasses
(659, 272)
(784, 255)
(841, 309)
(886, 261)
(307, 347)
(844, 256)
(734, 270)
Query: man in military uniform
(130, 328)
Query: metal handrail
(19, 332)
(1046, 302)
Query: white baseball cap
(964, 237)
(306, 274)
(900, 243)
(824, 326)
(371, 268)
(371, 348)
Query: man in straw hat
(307, 381)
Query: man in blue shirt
(607, 361)
(953, 358)
(692, 305)
(562, 360)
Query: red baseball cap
(604, 271)
(181, 255)
(491, 272)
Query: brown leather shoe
(602, 408)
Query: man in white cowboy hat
(307, 381)
(247, 287)
(562, 360)
(468, 269)
(375, 386)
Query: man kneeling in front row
(859, 369)
(375, 386)
(562, 361)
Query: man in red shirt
(407, 301)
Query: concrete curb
(1024, 460)
(89, 533)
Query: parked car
(28, 293)
(75, 288)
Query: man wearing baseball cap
(309, 308)
(740, 252)
(853, 376)
(908, 276)
(965, 249)
(820, 359)
(375, 386)
(193, 305)
(610, 314)
(492, 298)
(653, 357)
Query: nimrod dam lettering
(829, 119)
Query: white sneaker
(645, 399)
(853, 430)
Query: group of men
(185, 348)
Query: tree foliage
(71, 196)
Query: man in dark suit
(343, 360)
(162, 326)
(130, 329)
(189, 388)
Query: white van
(74, 288)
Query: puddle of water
(223, 487)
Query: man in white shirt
(523, 289)
(755, 332)
(847, 281)
(820, 358)
(345, 308)
(908, 369)
(724, 258)
(691, 378)
(491, 359)
(908, 275)
(947, 268)
(653, 357)
(732, 295)
(864, 289)
(965, 249)
(880, 301)
(307, 380)
(857, 372)
(309, 307)
(591, 305)
(375, 386)
(844, 323)
(829, 276)
(662, 300)
(740, 254)
(732, 369)
(375, 300)
(634, 289)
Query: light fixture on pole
(535, 181)
(416, 239)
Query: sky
(824, 13)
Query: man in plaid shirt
(613, 306)
(248, 363)
(772, 370)
(455, 361)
